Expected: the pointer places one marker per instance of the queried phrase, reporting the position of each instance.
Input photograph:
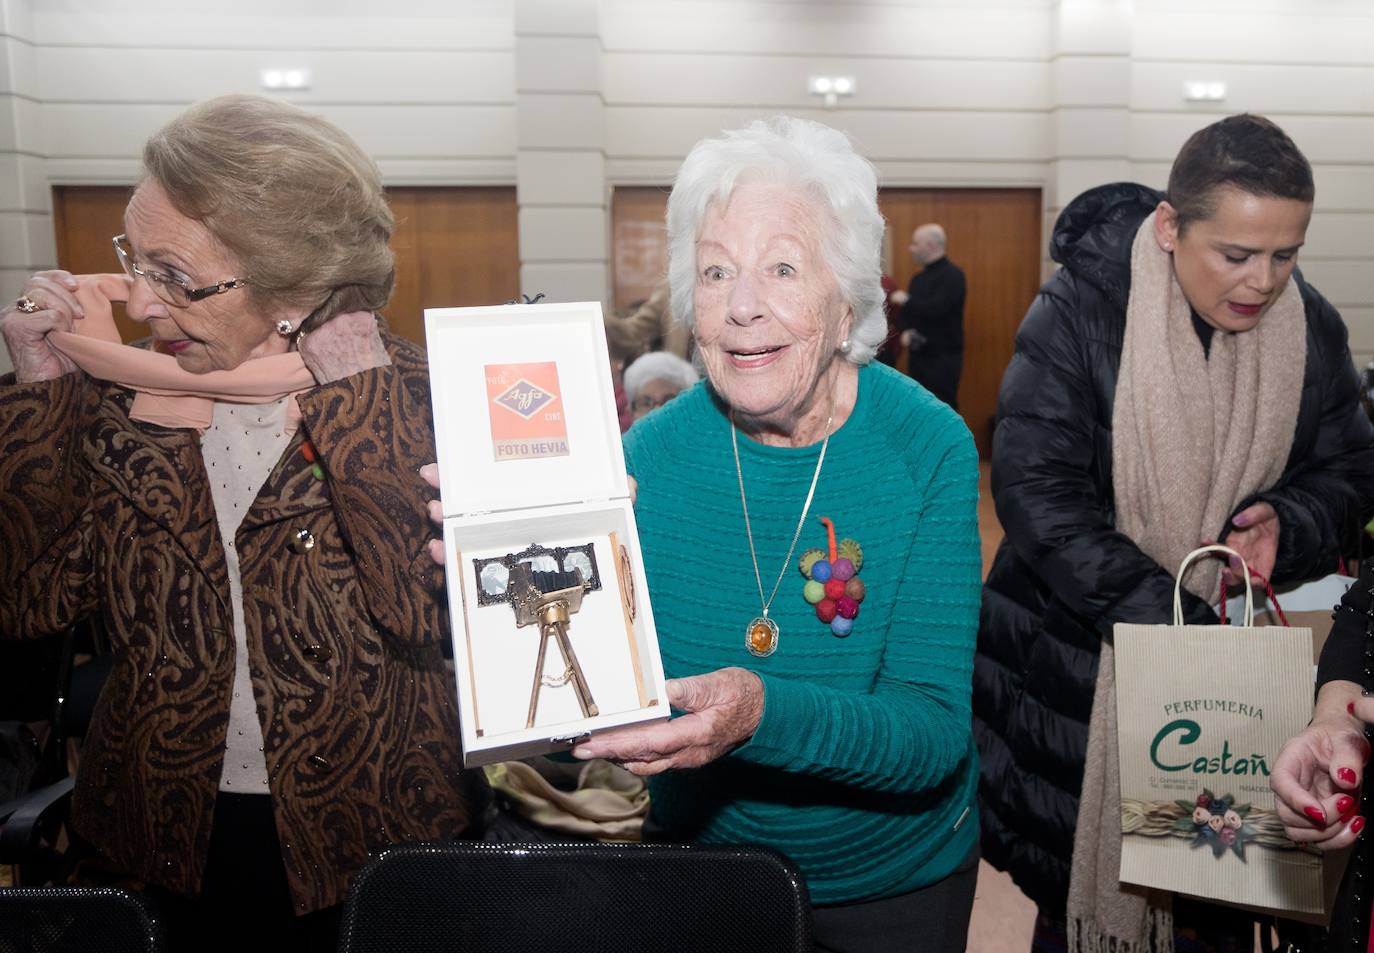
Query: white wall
(26, 236)
(949, 93)
(1309, 66)
(428, 88)
(567, 98)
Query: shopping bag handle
(1270, 596)
(1202, 551)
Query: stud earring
(285, 327)
(845, 346)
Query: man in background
(932, 317)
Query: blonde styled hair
(289, 194)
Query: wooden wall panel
(994, 235)
(84, 219)
(454, 246)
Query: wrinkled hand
(1256, 537)
(26, 335)
(345, 345)
(722, 708)
(1317, 774)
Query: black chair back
(587, 898)
(34, 675)
(76, 920)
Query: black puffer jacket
(1064, 575)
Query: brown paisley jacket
(103, 516)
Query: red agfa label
(526, 408)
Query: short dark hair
(1246, 152)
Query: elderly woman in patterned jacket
(237, 501)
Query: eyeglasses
(648, 402)
(175, 291)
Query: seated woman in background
(656, 378)
(824, 686)
(1176, 382)
(278, 706)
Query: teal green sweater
(863, 768)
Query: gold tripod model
(549, 600)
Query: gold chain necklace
(761, 635)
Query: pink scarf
(167, 395)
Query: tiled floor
(1002, 916)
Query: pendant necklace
(761, 636)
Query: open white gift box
(542, 552)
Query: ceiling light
(1204, 91)
(831, 87)
(292, 78)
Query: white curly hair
(813, 158)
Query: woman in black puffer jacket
(1065, 574)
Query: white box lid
(524, 409)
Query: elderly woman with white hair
(656, 378)
(808, 521)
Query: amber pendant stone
(761, 638)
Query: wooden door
(454, 247)
(993, 235)
(639, 244)
(85, 219)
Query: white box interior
(495, 659)
(462, 343)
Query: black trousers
(933, 919)
(245, 903)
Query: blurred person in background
(651, 321)
(931, 321)
(656, 378)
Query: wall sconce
(831, 87)
(1208, 91)
(285, 79)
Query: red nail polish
(1347, 775)
(1357, 824)
(1344, 803)
(1350, 708)
(1316, 813)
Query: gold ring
(27, 305)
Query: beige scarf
(1192, 436)
(609, 803)
(166, 394)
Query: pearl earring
(845, 346)
(285, 327)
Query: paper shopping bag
(1201, 714)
